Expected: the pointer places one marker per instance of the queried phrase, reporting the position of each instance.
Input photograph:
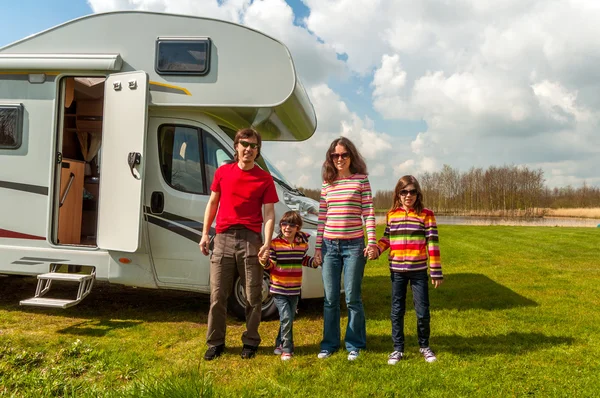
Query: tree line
(505, 190)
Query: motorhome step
(59, 276)
(48, 302)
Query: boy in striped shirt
(285, 260)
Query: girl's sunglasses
(247, 144)
(336, 156)
(405, 192)
(288, 224)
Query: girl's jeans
(287, 309)
(420, 290)
(343, 255)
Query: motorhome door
(122, 160)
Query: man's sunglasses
(288, 224)
(247, 144)
(405, 192)
(336, 156)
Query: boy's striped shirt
(285, 262)
(411, 237)
(343, 206)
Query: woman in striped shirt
(346, 201)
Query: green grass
(517, 315)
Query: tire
(237, 300)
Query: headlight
(307, 208)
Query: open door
(122, 175)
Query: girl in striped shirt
(346, 201)
(412, 237)
(285, 259)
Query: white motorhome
(111, 129)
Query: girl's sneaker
(395, 357)
(278, 350)
(324, 354)
(286, 356)
(353, 355)
(428, 354)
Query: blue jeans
(420, 289)
(343, 255)
(286, 305)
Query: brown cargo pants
(235, 252)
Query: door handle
(157, 202)
(133, 159)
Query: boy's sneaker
(395, 357)
(352, 355)
(324, 354)
(249, 351)
(278, 350)
(214, 352)
(286, 356)
(428, 354)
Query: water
(515, 221)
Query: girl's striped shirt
(285, 262)
(343, 206)
(411, 237)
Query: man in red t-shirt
(239, 192)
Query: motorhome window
(190, 57)
(214, 156)
(181, 158)
(11, 126)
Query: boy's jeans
(287, 309)
(420, 290)
(343, 255)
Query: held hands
(372, 252)
(318, 258)
(263, 253)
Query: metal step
(58, 276)
(86, 281)
(49, 302)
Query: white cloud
(502, 82)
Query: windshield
(277, 174)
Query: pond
(518, 221)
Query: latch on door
(133, 159)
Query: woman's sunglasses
(405, 192)
(336, 156)
(247, 144)
(288, 224)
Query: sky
(416, 84)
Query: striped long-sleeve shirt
(411, 237)
(285, 262)
(343, 206)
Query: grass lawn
(517, 315)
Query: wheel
(237, 300)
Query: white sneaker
(286, 356)
(352, 355)
(278, 350)
(395, 357)
(428, 354)
(324, 354)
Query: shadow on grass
(110, 305)
(485, 345)
(98, 328)
(464, 291)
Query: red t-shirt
(243, 193)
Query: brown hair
(291, 217)
(403, 183)
(357, 163)
(246, 133)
